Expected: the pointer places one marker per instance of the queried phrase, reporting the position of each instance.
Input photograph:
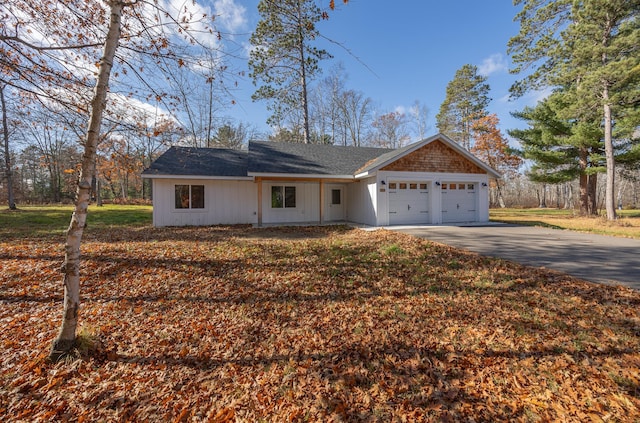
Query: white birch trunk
(66, 338)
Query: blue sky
(405, 51)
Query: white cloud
(230, 15)
(136, 109)
(493, 64)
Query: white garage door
(408, 203)
(459, 202)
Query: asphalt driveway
(595, 258)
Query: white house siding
(307, 209)
(225, 202)
(362, 200)
(435, 193)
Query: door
(459, 202)
(408, 203)
(335, 207)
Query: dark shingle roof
(284, 158)
(200, 162)
(309, 159)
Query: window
(444, 186)
(283, 197)
(413, 186)
(403, 186)
(392, 185)
(471, 186)
(423, 186)
(189, 197)
(336, 197)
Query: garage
(459, 202)
(408, 202)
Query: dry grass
(627, 225)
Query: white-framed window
(283, 196)
(189, 196)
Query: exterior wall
(225, 202)
(362, 200)
(434, 157)
(307, 207)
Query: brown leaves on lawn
(229, 324)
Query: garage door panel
(408, 203)
(459, 201)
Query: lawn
(53, 220)
(627, 225)
(308, 324)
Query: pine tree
(283, 57)
(466, 100)
(561, 149)
(592, 45)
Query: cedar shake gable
(434, 157)
(436, 154)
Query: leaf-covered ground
(310, 324)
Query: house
(429, 182)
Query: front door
(335, 203)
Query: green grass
(53, 220)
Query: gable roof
(289, 159)
(191, 161)
(308, 159)
(393, 155)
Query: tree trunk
(303, 82)
(7, 156)
(65, 341)
(543, 197)
(610, 194)
(584, 183)
(592, 188)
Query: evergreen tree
(283, 57)
(591, 45)
(466, 100)
(561, 149)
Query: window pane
(182, 196)
(470, 186)
(289, 196)
(423, 186)
(452, 186)
(197, 196)
(413, 186)
(444, 186)
(392, 185)
(403, 186)
(277, 199)
(460, 186)
(335, 197)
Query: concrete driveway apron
(595, 258)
